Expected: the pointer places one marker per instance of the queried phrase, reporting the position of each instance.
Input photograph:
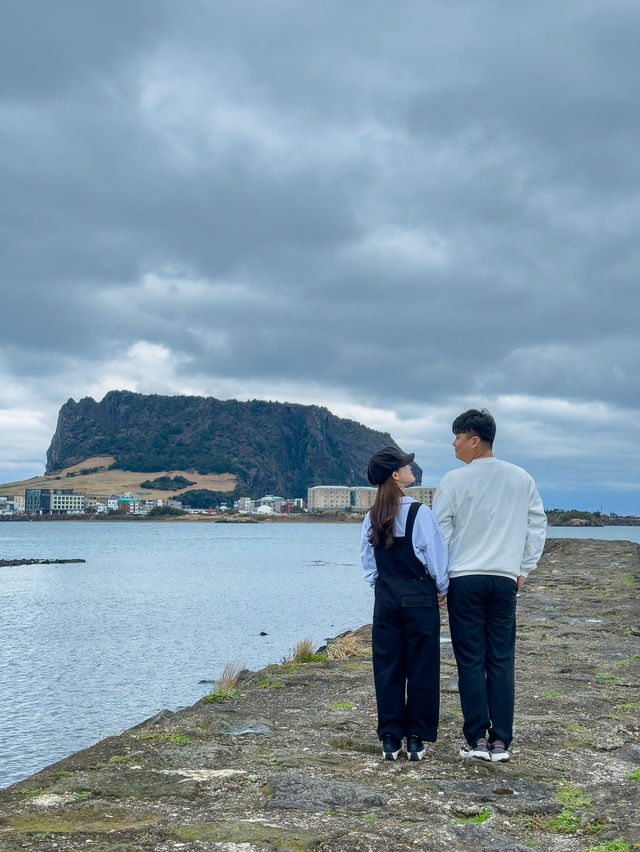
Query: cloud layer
(396, 212)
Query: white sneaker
(480, 750)
(499, 753)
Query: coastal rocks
(295, 790)
(158, 719)
(241, 729)
(292, 763)
(9, 563)
(479, 839)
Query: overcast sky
(398, 211)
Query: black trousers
(482, 618)
(406, 658)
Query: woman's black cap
(385, 461)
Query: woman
(405, 561)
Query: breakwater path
(290, 761)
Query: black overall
(406, 641)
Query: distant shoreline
(325, 517)
(319, 518)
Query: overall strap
(411, 518)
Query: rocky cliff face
(270, 446)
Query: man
(493, 523)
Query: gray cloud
(394, 210)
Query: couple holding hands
(472, 553)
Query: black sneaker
(391, 747)
(415, 748)
(480, 750)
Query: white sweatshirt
(492, 519)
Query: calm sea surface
(89, 649)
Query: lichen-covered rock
(293, 763)
(295, 790)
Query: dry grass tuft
(347, 646)
(225, 687)
(230, 674)
(303, 652)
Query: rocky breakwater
(11, 563)
(289, 761)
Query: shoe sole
(500, 758)
(417, 755)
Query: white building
(245, 504)
(67, 504)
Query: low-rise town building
(269, 504)
(12, 504)
(273, 501)
(362, 497)
(45, 501)
(324, 498)
(359, 498)
(320, 498)
(53, 501)
(422, 493)
(32, 500)
(64, 503)
(129, 503)
(245, 504)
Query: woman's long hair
(382, 514)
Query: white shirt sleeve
(444, 513)
(429, 547)
(367, 556)
(536, 529)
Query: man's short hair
(479, 423)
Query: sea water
(89, 649)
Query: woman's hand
(442, 600)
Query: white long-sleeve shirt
(427, 541)
(492, 519)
